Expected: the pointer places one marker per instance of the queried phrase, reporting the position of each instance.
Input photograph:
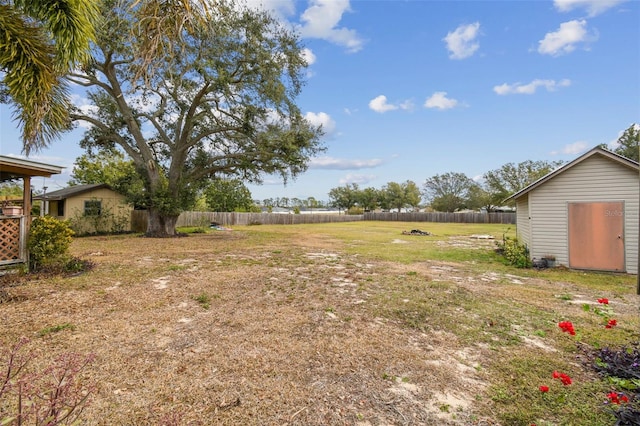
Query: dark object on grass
(416, 232)
(540, 263)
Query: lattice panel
(9, 239)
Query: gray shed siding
(595, 179)
(522, 220)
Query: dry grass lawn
(266, 327)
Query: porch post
(26, 200)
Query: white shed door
(596, 236)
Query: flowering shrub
(516, 254)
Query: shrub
(56, 395)
(109, 220)
(48, 242)
(622, 369)
(516, 254)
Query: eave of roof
(595, 151)
(14, 167)
(70, 191)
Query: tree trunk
(161, 225)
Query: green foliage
(221, 100)
(56, 328)
(510, 178)
(204, 300)
(448, 192)
(49, 241)
(228, 195)
(110, 220)
(41, 41)
(111, 167)
(344, 197)
(628, 143)
(400, 195)
(515, 253)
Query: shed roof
(14, 167)
(71, 191)
(619, 159)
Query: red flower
(624, 398)
(612, 323)
(567, 327)
(613, 398)
(544, 389)
(564, 378)
(604, 301)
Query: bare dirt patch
(290, 335)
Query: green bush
(49, 241)
(516, 254)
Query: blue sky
(409, 89)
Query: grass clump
(56, 328)
(204, 300)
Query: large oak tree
(216, 99)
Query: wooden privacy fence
(503, 218)
(139, 218)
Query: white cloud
(331, 163)
(321, 20)
(572, 148)
(279, 9)
(379, 104)
(614, 143)
(530, 88)
(565, 39)
(406, 105)
(322, 119)
(359, 179)
(439, 100)
(462, 43)
(593, 7)
(308, 56)
(86, 108)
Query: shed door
(596, 236)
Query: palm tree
(40, 41)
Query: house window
(92, 208)
(61, 208)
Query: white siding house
(584, 213)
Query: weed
(56, 328)
(204, 300)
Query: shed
(585, 213)
(90, 208)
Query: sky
(406, 90)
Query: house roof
(14, 167)
(71, 191)
(619, 159)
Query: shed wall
(595, 179)
(112, 204)
(522, 220)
